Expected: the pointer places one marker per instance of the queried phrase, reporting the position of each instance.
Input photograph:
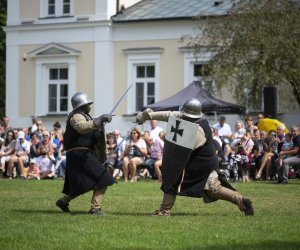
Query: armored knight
(84, 141)
(190, 163)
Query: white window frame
(58, 9)
(58, 82)
(42, 82)
(141, 60)
(189, 61)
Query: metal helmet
(80, 99)
(191, 108)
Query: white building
(58, 47)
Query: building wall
(29, 9)
(171, 67)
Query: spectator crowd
(245, 153)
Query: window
(203, 72)
(144, 86)
(58, 90)
(143, 73)
(58, 8)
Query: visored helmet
(192, 108)
(80, 99)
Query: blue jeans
(149, 164)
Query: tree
(255, 45)
(3, 8)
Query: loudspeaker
(270, 102)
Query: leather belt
(78, 148)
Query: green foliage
(31, 220)
(256, 45)
(3, 7)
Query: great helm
(192, 108)
(80, 99)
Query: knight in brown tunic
(200, 176)
(84, 141)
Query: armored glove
(143, 116)
(102, 119)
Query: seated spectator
(134, 155)
(121, 143)
(154, 156)
(158, 162)
(46, 163)
(242, 157)
(269, 156)
(20, 156)
(286, 146)
(33, 171)
(34, 145)
(292, 161)
(48, 143)
(224, 129)
(7, 150)
(259, 149)
(111, 153)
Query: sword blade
(117, 104)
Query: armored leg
(215, 190)
(166, 205)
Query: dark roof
(194, 90)
(149, 10)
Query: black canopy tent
(194, 90)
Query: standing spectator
(260, 117)
(21, 156)
(4, 127)
(39, 128)
(293, 160)
(224, 130)
(34, 120)
(134, 155)
(250, 124)
(7, 150)
(57, 127)
(155, 129)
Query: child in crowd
(33, 172)
(45, 162)
(287, 145)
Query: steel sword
(121, 98)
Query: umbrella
(269, 124)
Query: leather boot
(166, 205)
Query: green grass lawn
(30, 220)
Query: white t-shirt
(225, 130)
(44, 164)
(154, 133)
(25, 146)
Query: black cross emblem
(176, 131)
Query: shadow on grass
(276, 244)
